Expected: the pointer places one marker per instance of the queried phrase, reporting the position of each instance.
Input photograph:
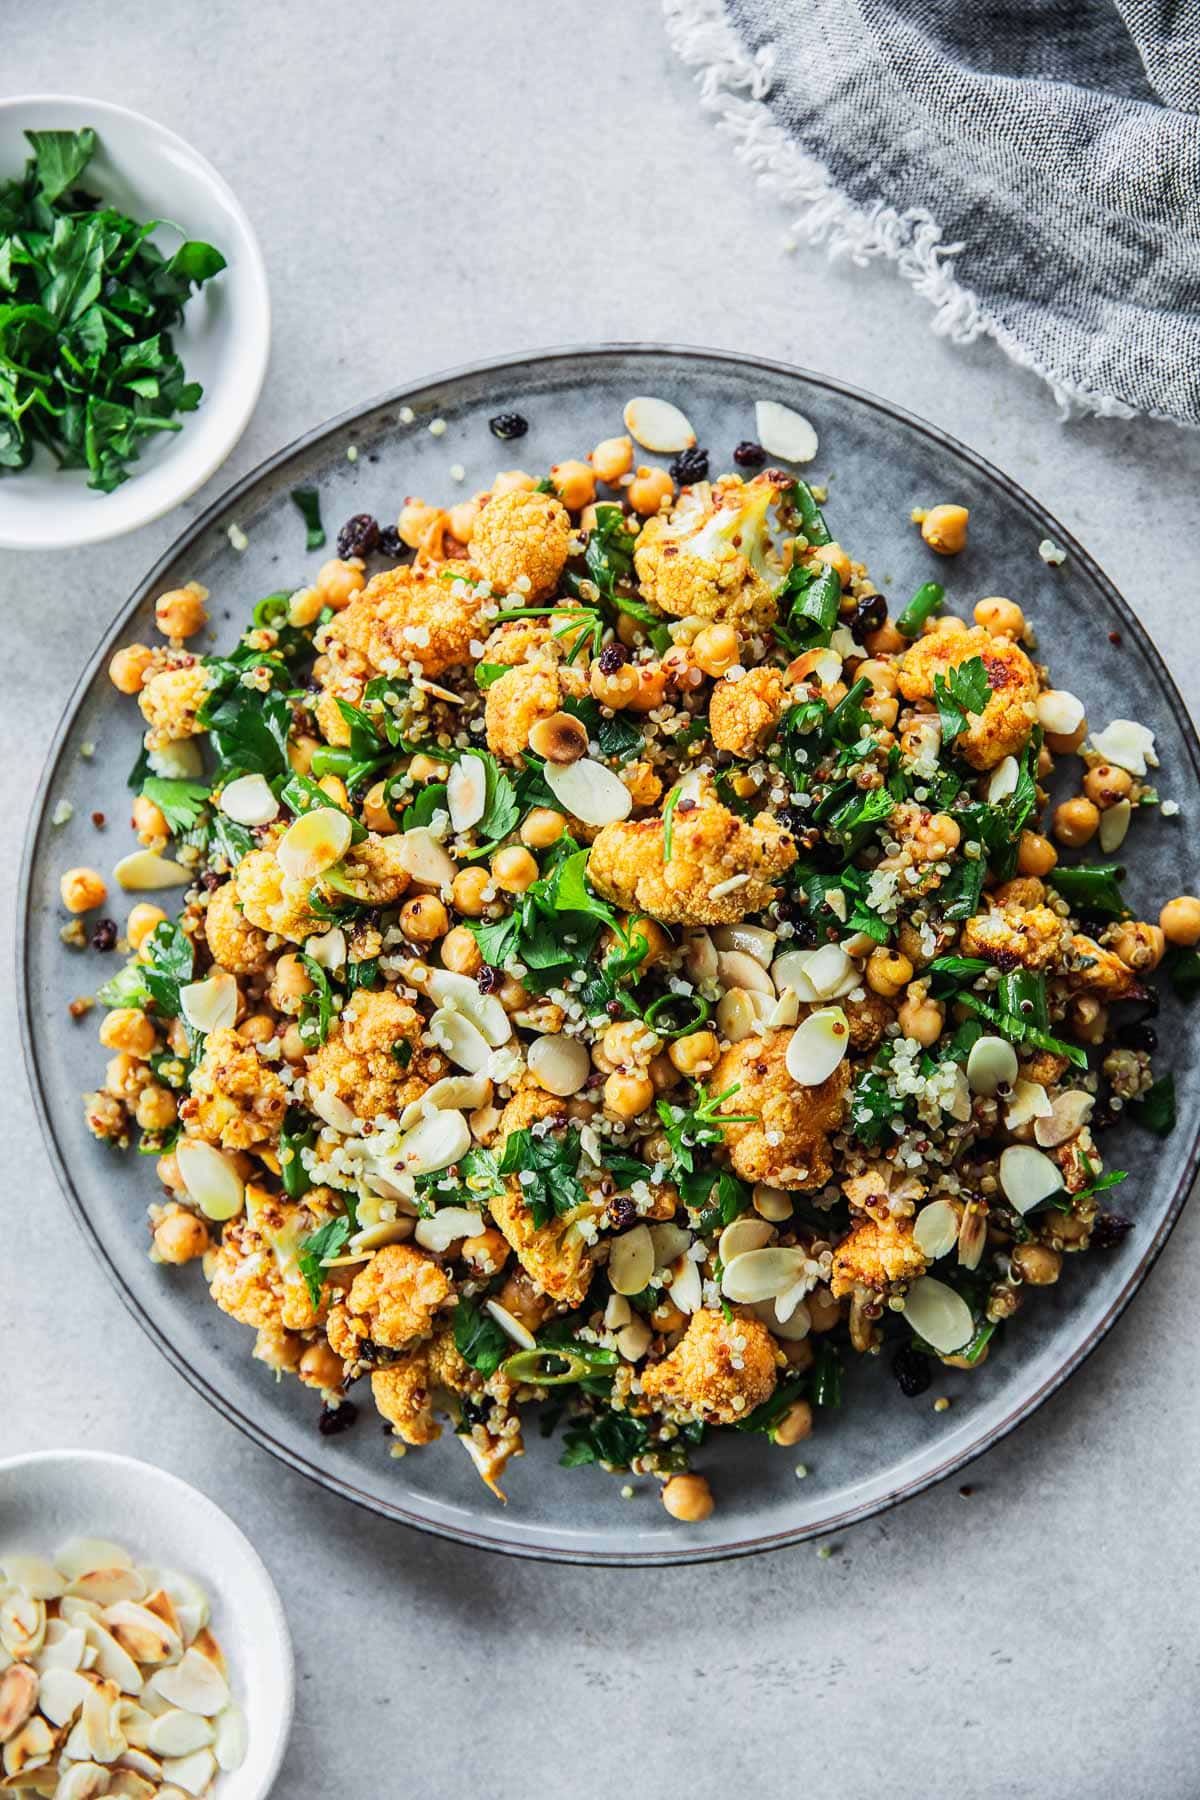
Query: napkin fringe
(733, 86)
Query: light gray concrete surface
(436, 184)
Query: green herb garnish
(307, 502)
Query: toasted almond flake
(658, 425)
(146, 1637)
(991, 1065)
(103, 1587)
(830, 972)
(112, 1663)
(511, 1326)
(146, 872)
(449, 1225)
(210, 1005)
(1003, 780)
(229, 1745)
(817, 1046)
(30, 1749)
(670, 1242)
(332, 1109)
(61, 1693)
(178, 1733)
(192, 1773)
(249, 801)
(631, 1260)
(1029, 1101)
(738, 969)
(739, 1011)
(687, 1288)
(62, 1647)
(763, 1274)
(1114, 824)
(791, 971)
(785, 433)
(454, 1093)
(730, 886)
(935, 1231)
(194, 1683)
(374, 1237)
(40, 1579)
(434, 1144)
(211, 1179)
(18, 1696)
(634, 1339)
(461, 994)
(589, 790)
(314, 842)
(1059, 712)
(742, 1235)
(1027, 1177)
(462, 1041)
(939, 1315)
(425, 859)
(22, 1623)
(1067, 1116)
(752, 940)
(1127, 744)
(329, 949)
(785, 1012)
(466, 792)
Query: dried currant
(912, 1371)
(612, 658)
(749, 455)
(507, 426)
(690, 466)
(358, 536)
(390, 541)
(1110, 1230)
(105, 935)
(336, 1419)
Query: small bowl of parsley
(134, 321)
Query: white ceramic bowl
(223, 341)
(51, 1496)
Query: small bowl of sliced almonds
(143, 1648)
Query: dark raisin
(1110, 1230)
(622, 1212)
(336, 1419)
(749, 455)
(390, 541)
(358, 536)
(210, 882)
(487, 978)
(1137, 1035)
(912, 1371)
(506, 426)
(614, 1009)
(689, 466)
(105, 935)
(686, 805)
(869, 615)
(612, 658)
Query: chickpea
(688, 1498)
(628, 1095)
(887, 641)
(301, 750)
(290, 982)
(883, 708)
(128, 1028)
(944, 529)
(150, 823)
(1045, 764)
(167, 1170)
(155, 1109)
(887, 972)
(944, 625)
(82, 889)
(629, 1044)
(1035, 855)
(463, 519)
(936, 837)
(1139, 946)
(799, 1354)
(1180, 920)
(512, 481)
(835, 558)
(424, 919)
(468, 890)
(427, 768)
(335, 788)
(293, 1046)
(177, 1037)
(650, 490)
(376, 816)
(716, 649)
(1036, 1265)
(922, 1019)
(796, 1424)
(542, 828)
(1003, 618)
(321, 1367)
(487, 1252)
(259, 1028)
(696, 1053)
(658, 942)
(181, 613)
(574, 483)
(1104, 785)
(1062, 743)
(881, 675)
(460, 952)
(514, 869)
(181, 1237)
(525, 1302)
(512, 994)
(129, 669)
(823, 1310)
(653, 680)
(338, 581)
(305, 607)
(615, 690)
(665, 1076)
(143, 919)
(1076, 822)
(612, 459)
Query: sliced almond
(135, 1723)
(939, 1315)
(511, 1326)
(634, 1339)
(763, 1274)
(1068, 1114)
(785, 1012)
(453, 1093)
(331, 1108)
(831, 973)
(744, 1234)
(991, 1065)
(1027, 1176)
(1003, 780)
(18, 1696)
(22, 1623)
(433, 1144)
(194, 1683)
(211, 1179)
(127, 1784)
(658, 425)
(1059, 712)
(178, 1733)
(36, 1575)
(631, 1260)
(229, 1745)
(210, 1005)
(589, 791)
(113, 1664)
(740, 1010)
(425, 858)
(700, 957)
(30, 1748)
(935, 1231)
(249, 801)
(687, 1289)
(146, 1637)
(314, 842)
(83, 1781)
(791, 971)
(374, 1237)
(191, 1773)
(461, 994)
(1114, 825)
(738, 969)
(466, 792)
(449, 1225)
(145, 872)
(98, 1723)
(790, 1330)
(462, 1041)
(329, 948)
(61, 1694)
(817, 1046)
(670, 1241)
(1128, 744)
(753, 940)
(788, 1304)
(62, 1647)
(103, 1587)
(83, 1554)
(1029, 1101)
(785, 433)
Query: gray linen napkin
(1031, 166)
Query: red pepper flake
(99, 821)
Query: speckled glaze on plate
(879, 462)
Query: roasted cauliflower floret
(232, 941)
(357, 1064)
(1099, 971)
(405, 616)
(786, 1142)
(170, 703)
(720, 868)
(1013, 939)
(372, 872)
(236, 1099)
(520, 543)
(719, 1371)
(743, 714)
(515, 703)
(392, 1303)
(713, 558)
(550, 639)
(556, 1254)
(527, 1106)
(877, 1256)
(253, 1274)
(1003, 728)
(274, 901)
(402, 1394)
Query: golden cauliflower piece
(720, 868)
(1099, 971)
(232, 941)
(522, 537)
(409, 615)
(878, 1256)
(1013, 939)
(534, 640)
(236, 1099)
(356, 1063)
(373, 873)
(556, 1254)
(1003, 728)
(402, 1394)
(714, 558)
(391, 1302)
(527, 1105)
(274, 901)
(253, 1274)
(170, 703)
(720, 1370)
(743, 714)
(515, 703)
(799, 1119)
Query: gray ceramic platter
(879, 463)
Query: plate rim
(260, 1434)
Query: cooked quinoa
(623, 972)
